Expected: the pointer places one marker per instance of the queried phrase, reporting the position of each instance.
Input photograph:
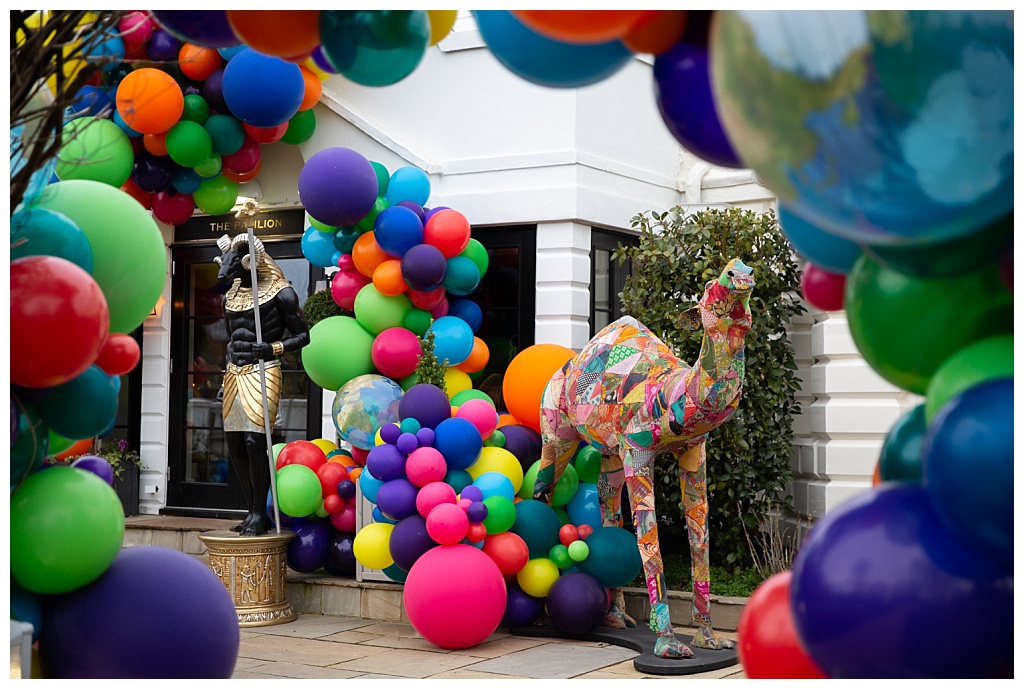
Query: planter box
(127, 488)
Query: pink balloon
(481, 414)
(425, 465)
(432, 495)
(245, 159)
(441, 309)
(346, 519)
(136, 28)
(395, 352)
(346, 283)
(454, 596)
(447, 524)
(822, 288)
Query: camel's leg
(559, 438)
(695, 506)
(641, 492)
(609, 488)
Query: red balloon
(172, 209)
(359, 455)
(59, 321)
(567, 534)
(133, 190)
(508, 550)
(822, 288)
(476, 532)
(769, 647)
(346, 519)
(427, 300)
(333, 504)
(301, 452)
(266, 135)
(330, 475)
(245, 158)
(448, 230)
(584, 531)
(119, 355)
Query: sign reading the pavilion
(291, 222)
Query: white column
(563, 284)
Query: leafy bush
(748, 458)
(321, 305)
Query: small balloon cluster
(404, 270)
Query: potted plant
(126, 465)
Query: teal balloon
(226, 133)
(614, 559)
(374, 47)
(345, 238)
(902, 452)
(36, 231)
(83, 407)
(823, 249)
(458, 479)
(383, 177)
(396, 573)
(97, 150)
(30, 443)
(461, 276)
(537, 524)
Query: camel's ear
(691, 319)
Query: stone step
(319, 593)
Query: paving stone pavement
(328, 647)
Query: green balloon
(210, 167)
(196, 109)
(96, 150)
(300, 128)
(563, 516)
(67, 526)
(276, 449)
(59, 443)
(501, 514)
(476, 253)
(377, 312)
(365, 224)
(408, 382)
(495, 439)
(299, 492)
(529, 480)
(559, 554)
(464, 396)
(906, 327)
(216, 196)
(129, 256)
(226, 134)
(901, 455)
(578, 551)
(538, 525)
(374, 47)
(613, 558)
(418, 321)
(973, 365)
(338, 351)
(188, 144)
(566, 487)
(35, 232)
(383, 177)
(319, 226)
(32, 442)
(588, 464)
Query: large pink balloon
(395, 352)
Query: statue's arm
(287, 302)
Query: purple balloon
(426, 403)
(390, 433)
(472, 493)
(396, 499)
(162, 46)
(287, 521)
(386, 462)
(96, 465)
(424, 267)
(346, 489)
(521, 609)
(156, 606)
(308, 550)
(407, 442)
(428, 213)
(414, 207)
(524, 443)
(576, 603)
(341, 558)
(682, 82)
(878, 583)
(213, 92)
(477, 511)
(208, 28)
(425, 437)
(409, 540)
(153, 173)
(338, 186)
(322, 62)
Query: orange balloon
(282, 33)
(367, 254)
(507, 419)
(314, 87)
(242, 177)
(582, 26)
(656, 34)
(155, 143)
(344, 460)
(133, 190)
(150, 101)
(79, 447)
(197, 62)
(877, 478)
(354, 472)
(526, 377)
(478, 357)
(387, 278)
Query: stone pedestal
(254, 571)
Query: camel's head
(726, 300)
(234, 259)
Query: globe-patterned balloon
(362, 406)
(883, 127)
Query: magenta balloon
(338, 186)
(395, 352)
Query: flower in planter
(120, 457)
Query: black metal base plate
(641, 639)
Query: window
(607, 277)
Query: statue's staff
(249, 210)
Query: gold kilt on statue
(243, 397)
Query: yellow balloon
(456, 381)
(537, 577)
(441, 23)
(501, 460)
(325, 445)
(370, 546)
(311, 65)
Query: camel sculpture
(630, 397)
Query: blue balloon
(37, 231)
(544, 61)
(228, 53)
(469, 311)
(262, 90)
(408, 183)
(398, 229)
(381, 518)
(585, 506)
(369, 485)
(91, 101)
(460, 443)
(493, 483)
(453, 339)
(968, 468)
(318, 247)
(119, 121)
(109, 52)
(287, 521)
(823, 249)
(879, 582)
